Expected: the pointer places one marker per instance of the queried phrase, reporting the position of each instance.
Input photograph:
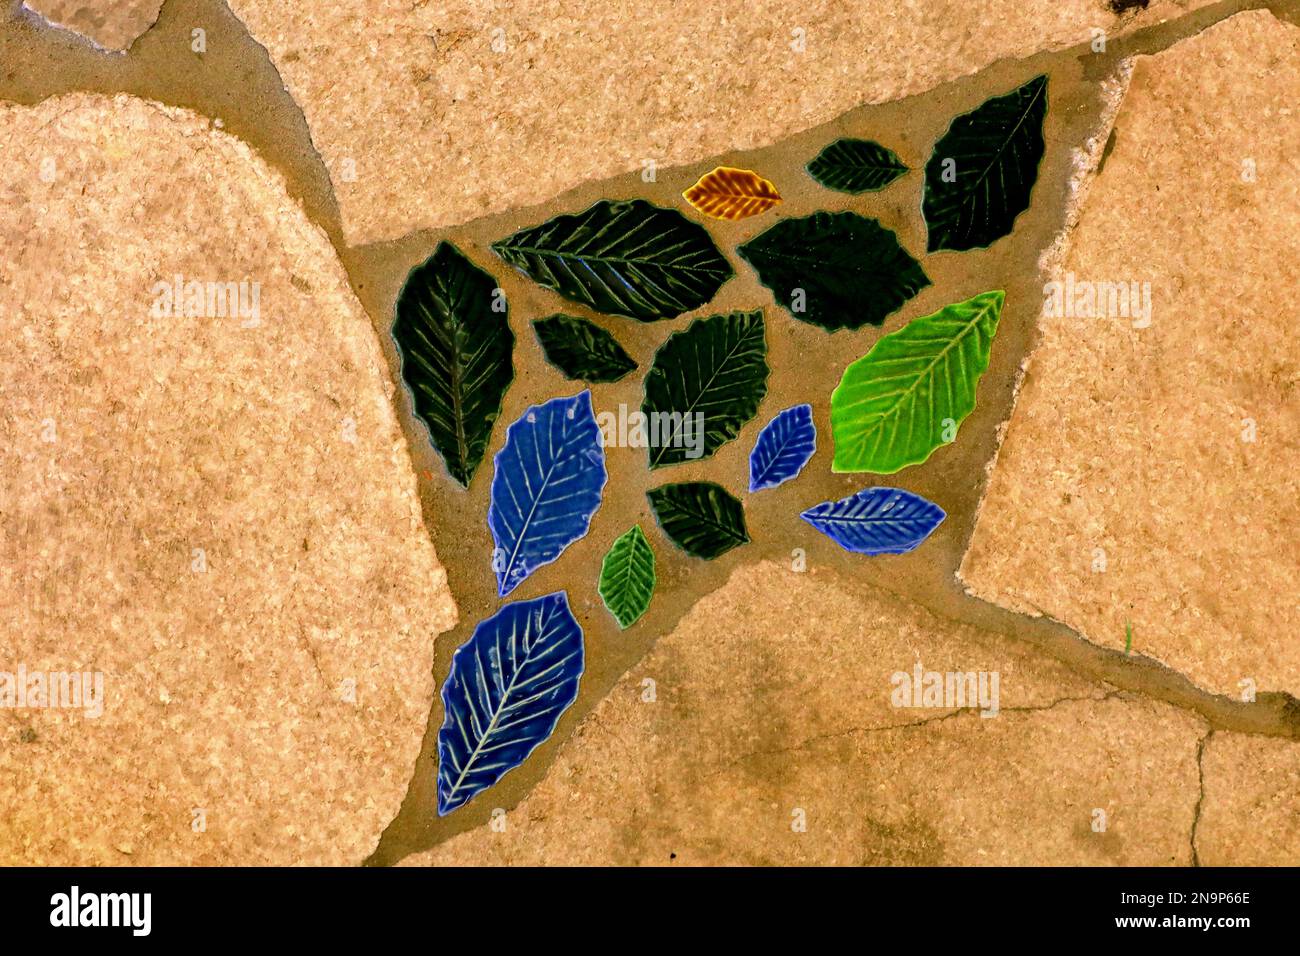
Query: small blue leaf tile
(876, 520)
(784, 446)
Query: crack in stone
(1200, 797)
(906, 725)
(1271, 714)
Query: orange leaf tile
(728, 193)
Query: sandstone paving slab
(773, 737)
(111, 24)
(430, 114)
(207, 502)
(1148, 476)
(1250, 810)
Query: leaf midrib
(621, 581)
(691, 406)
(451, 314)
(896, 167)
(1024, 115)
(762, 476)
(928, 370)
(523, 528)
(621, 260)
(496, 715)
(844, 255)
(706, 519)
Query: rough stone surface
(1149, 475)
(1250, 811)
(755, 728)
(217, 514)
(430, 114)
(112, 24)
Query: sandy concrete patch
(214, 511)
(1149, 472)
(433, 114)
(772, 738)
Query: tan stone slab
(773, 706)
(217, 514)
(112, 24)
(1250, 811)
(430, 114)
(1151, 474)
